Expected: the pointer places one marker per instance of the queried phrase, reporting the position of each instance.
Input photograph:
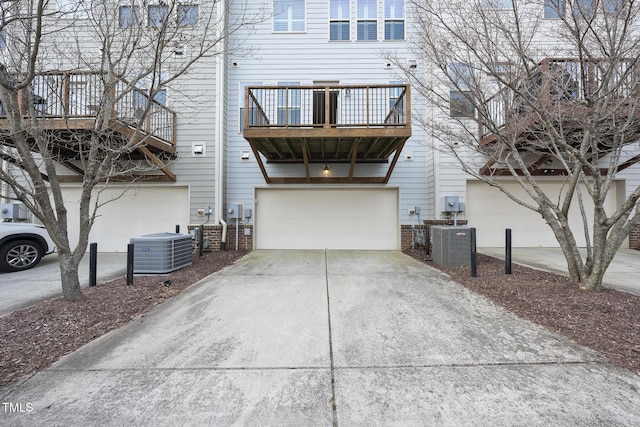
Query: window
(498, 4)
(394, 19)
(554, 9)
(367, 20)
(460, 104)
(253, 111)
(289, 104)
(129, 16)
(145, 85)
(587, 8)
(187, 15)
(339, 14)
(289, 16)
(157, 14)
(396, 108)
(75, 8)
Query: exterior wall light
(325, 171)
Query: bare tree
(79, 82)
(534, 89)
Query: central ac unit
(161, 252)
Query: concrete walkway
(315, 338)
(623, 273)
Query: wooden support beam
(158, 162)
(306, 160)
(256, 154)
(73, 167)
(354, 156)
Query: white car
(22, 245)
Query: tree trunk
(69, 276)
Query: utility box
(14, 211)
(451, 246)
(161, 252)
(234, 211)
(450, 204)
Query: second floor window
(157, 14)
(367, 19)
(461, 77)
(75, 8)
(394, 19)
(289, 16)
(253, 110)
(187, 15)
(289, 103)
(339, 15)
(553, 9)
(129, 16)
(498, 4)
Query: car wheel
(19, 255)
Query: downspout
(219, 140)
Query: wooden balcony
(327, 124)
(68, 105)
(562, 87)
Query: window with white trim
(289, 103)
(396, 104)
(253, 112)
(289, 16)
(554, 9)
(367, 19)
(394, 19)
(498, 4)
(75, 8)
(157, 14)
(187, 15)
(587, 8)
(129, 16)
(461, 76)
(339, 19)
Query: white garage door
(491, 212)
(327, 218)
(139, 211)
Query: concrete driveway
(322, 338)
(23, 288)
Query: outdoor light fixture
(325, 171)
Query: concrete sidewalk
(623, 274)
(315, 338)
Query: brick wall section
(214, 234)
(405, 237)
(634, 238)
(244, 241)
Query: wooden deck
(328, 125)
(561, 90)
(66, 107)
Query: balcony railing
(560, 81)
(81, 95)
(326, 107)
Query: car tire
(19, 255)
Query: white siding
(306, 58)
